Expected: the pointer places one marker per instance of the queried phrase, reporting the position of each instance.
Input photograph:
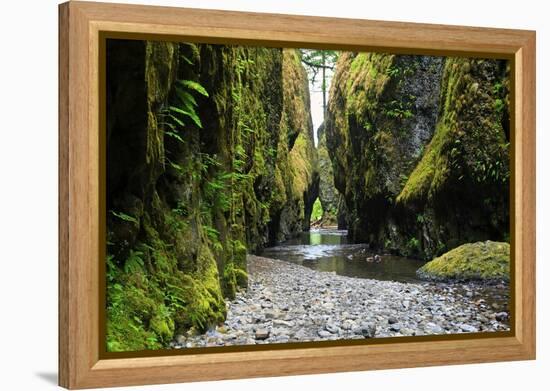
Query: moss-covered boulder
(471, 261)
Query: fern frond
(193, 85)
(186, 98)
(174, 135)
(191, 114)
(176, 120)
(134, 263)
(125, 217)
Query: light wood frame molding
(80, 23)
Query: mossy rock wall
(419, 147)
(382, 112)
(328, 194)
(296, 172)
(187, 202)
(459, 190)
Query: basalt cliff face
(419, 148)
(207, 159)
(331, 200)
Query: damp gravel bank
(286, 302)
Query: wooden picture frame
(81, 25)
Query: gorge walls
(331, 200)
(419, 148)
(207, 159)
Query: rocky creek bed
(286, 302)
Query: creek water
(329, 250)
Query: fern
(193, 85)
(186, 98)
(125, 217)
(134, 263)
(173, 131)
(187, 101)
(174, 165)
(188, 113)
(212, 233)
(209, 161)
(176, 120)
(151, 341)
(183, 106)
(175, 296)
(174, 135)
(198, 320)
(213, 186)
(240, 151)
(181, 209)
(111, 268)
(186, 59)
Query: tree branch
(313, 65)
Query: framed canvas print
(248, 195)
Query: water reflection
(329, 250)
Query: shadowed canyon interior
(236, 217)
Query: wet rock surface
(286, 302)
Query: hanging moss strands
(195, 179)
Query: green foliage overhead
(316, 60)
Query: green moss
(328, 195)
(369, 123)
(162, 324)
(145, 310)
(195, 204)
(301, 165)
(239, 251)
(233, 277)
(130, 312)
(472, 261)
(296, 170)
(279, 196)
(431, 171)
(469, 139)
(367, 79)
(417, 134)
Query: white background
(28, 194)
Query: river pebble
(286, 302)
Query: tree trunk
(323, 85)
